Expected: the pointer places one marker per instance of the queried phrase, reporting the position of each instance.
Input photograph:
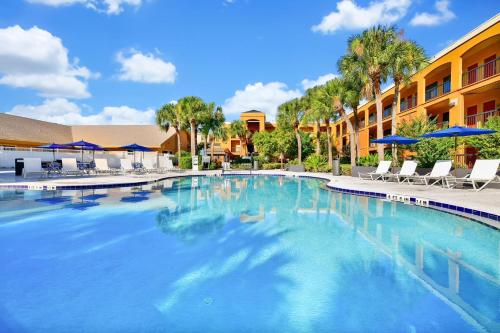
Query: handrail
(480, 73)
(437, 90)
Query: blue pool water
(241, 254)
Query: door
(471, 116)
(489, 109)
(490, 66)
(472, 74)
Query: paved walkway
(488, 200)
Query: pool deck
(483, 206)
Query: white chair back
(441, 168)
(408, 168)
(162, 162)
(32, 164)
(148, 164)
(69, 165)
(170, 165)
(383, 167)
(126, 164)
(484, 169)
(101, 164)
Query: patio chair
(148, 166)
(126, 165)
(171, 167)
(407, 170)
(382, 169)
(226, 166)
(33, 166)
(440, 171)
(484, 171)
(70, 167)
(101, 166)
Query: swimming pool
(213, 254)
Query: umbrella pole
(456, 152)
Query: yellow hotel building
(460, 86)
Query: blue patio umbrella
(457, 131)
(135, 147)
(84, 145)
(54, 146)
(395, 140)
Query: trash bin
(256, 165)
(19, 162)
(336, 168)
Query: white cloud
(62, 111)
(350, 16)
(443, 15)
(145, 68)
(108, 6)
(37, 59)
(259, 96)
(307, 83)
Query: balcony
(436, 90)
(480, 118)
(481, 73)
(372, 119)
(387, 113)
(408, 103)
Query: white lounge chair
(101, 166)
(407, 170)
(226, 166)
(382, 169)
(148, 166)
(126, 165)
(33, 166)
(484, 171)
(171, 167)
(440, 171)
(70, 167)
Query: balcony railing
(408, 103)
(481, 73)
(437, 90)
(480, 118)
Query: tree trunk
(329, 142)
(393, 120)
(212, 148)
(205, 147)
(299, 144)
(352, 140)
(318, 138)
(178, 134)
(380, 130)
(193, 138)
(356, 131)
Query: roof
(16, 128)
(253, 111)
(121, 135)
(27, 130)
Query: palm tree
(407, 58)
(373, 56)
(290, 114)
(213, 118)
(167, 116)
(193, 111)
(313, 114)
(238, 128)
(323, 103)
(214, 128)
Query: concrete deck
(487, 200)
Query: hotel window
(431, 91)
(446, 119)
(402, 105)
(387, 111)
(446, 84)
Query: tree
(373, 55)
(238, 128)
(407, 57)
(428, 150)
(342, 95)
(313, 113)
(488, 146)
(167, 116)
(322, 102)
(212, 122)
(193, 111)
(290, 115)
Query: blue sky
(115, 61)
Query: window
(387, 132)
(446, 117)
(446, 84)
(472, 74)
(402, 105)
(431, 91)
(387, 111)
(490, 67)
(371, 118)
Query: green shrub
(488, 146)
(241, 166)
(293, 162)
(346, 170)
(271, 166)
(185, 162)
(369, 160)
(317, 163)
